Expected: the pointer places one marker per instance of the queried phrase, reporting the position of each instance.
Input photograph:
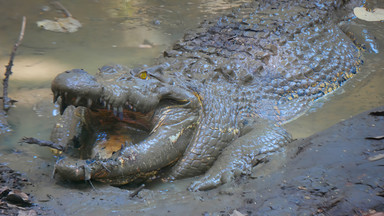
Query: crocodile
(212, 105)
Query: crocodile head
(130, 102)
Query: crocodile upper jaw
(105, 123)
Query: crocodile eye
(143, 75)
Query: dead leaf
(18, 198)
(145, 46)
(237, 213)
(301, 188)
(375, 214)
(376, 137)
(68, 24)
(27, 213)
(4, 191)
(362, 13)
(376, 157)
(378, 113)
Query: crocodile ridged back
(265, 60)
(283, 51)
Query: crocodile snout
(76, 81)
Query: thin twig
(8, 71)
(93, 187)
(32, 140)
(67, 13)
(136, 191)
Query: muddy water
(132, 33)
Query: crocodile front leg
(244, 153)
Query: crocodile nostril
(107, 69)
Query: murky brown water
(129, 32)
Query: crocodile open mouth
(102, 130)
(105, 133)
(116, 127)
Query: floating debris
(67, 24)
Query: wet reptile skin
(230, 83)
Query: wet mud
(13, 201)
(335, 172)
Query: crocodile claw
(211, 180)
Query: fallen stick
(136, 191)
(6, 100)
(66, 11)
(32, 140)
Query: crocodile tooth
(78, 98)
(127, 105)
(115, 111)
(63, 106)
(55, 96)
(109, 107)
(89, 103)
(59, 100)
(104, 103)
(130, 106)
(120, 112)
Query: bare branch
(32, 140)
(8, 71)
(67, 13)
(136, 191)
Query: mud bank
(334, 172)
